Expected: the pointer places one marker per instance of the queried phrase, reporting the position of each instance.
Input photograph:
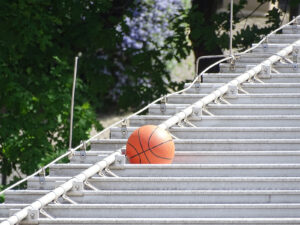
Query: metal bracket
(242, 90)
(180, 124)
(124, 130)
(89, 185)
(198, 83)
(101, 174)
(296, 53)
(197, 112)
(224, 100)
(110, 173)
(83, 151)
(163, 106)
(207, 112)
(173, 136)
(187, 122)
(294, 26)
(257, 79)
(32, 216)
(65, 197)
(232, 65)
(217, 101)
(42, 211)
(42, 175)
(265, 43)
(56, 201)
(295, 66)
(250, 80)
(232, 91)
(70, 156)
(119, 162)
(77, 189)
(265, 72)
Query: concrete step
(186, 170)
(176, 183)
(163, 221)
(242, 67)
(252, 88)
(222, 132)
(224, 121)
(275, 78)
(236, 109)
(215, 157)
(284, 38)
(291, 29)
(270, 47)
(89, 156)
(212, 144)
(169, 210)
(287, 98)
(258, 57)
(166, 196)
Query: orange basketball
(150, 145)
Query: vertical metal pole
(231, 15)
(72, 103)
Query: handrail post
(230, 39)
(72, 101)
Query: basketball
(150, 145)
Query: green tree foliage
(209, 29)
(38, 42)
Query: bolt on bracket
(124, 130)
(163, 104)
(232, 65)
(265, 72)
(83, 151)
(294, 26)
(232, 91)
(42, 176)
(77, 189)
(197, 112)
(32, 217)
(296, 53)
(119, 162)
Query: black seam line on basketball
(150, 149)
(137, 152)
(151, 136)
(142, 146)
(149, 142)
(153, 148)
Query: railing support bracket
(124, 130)
(232, 91)
(119, 162)
(265, 72)
(77, 189)
(197, 112)
(163, 105)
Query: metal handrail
(206, 57)
(83, 176)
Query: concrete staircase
(238, 163)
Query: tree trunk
(4, 179)
(294, 11)
(207, 8)
(3, 174)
